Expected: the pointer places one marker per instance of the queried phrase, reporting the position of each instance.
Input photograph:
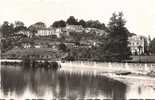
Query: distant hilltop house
(57, 31)
(49, 32)
(96, 31)
(74, 28)
(137, 44)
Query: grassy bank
(75, 54)
(38, 53)
(142, 59)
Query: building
(98, 32)
(44, 32)
(48, 32)
(136, 44)
(74, 28)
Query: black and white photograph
(77, 49)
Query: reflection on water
(17, 82)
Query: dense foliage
(152, 46)
(58, 24)
(72, 21)
(115, 46)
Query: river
(19, 83)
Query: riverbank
(125, 72)
(78, 55)
(135, 72)
(142, 59)
(132, 79)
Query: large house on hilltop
(49, 32)
(136, 44)
(96, 31)
(74, 28)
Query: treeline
(8, 29)
(73, 21)
(152, 46)
(113, 47)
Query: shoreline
(105, 70)
(108, 71)
(130, 61)
(131, 79)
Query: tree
(140, 49)
(77, 36)
(82, 22)
(152, 46)
(72, 21)
(146, 45)
(20, 28)
(7, 29)
(33, 30)
(62, 47)
(19, 25)
(58, 24)
(116, 46)
(39, 25)
(35, 27)
(95, 24)
(149, 42)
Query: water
(19, 83)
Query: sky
(139, 14)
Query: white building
(74, 28)
(136, 44)
(49, 32)
(98, 32)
